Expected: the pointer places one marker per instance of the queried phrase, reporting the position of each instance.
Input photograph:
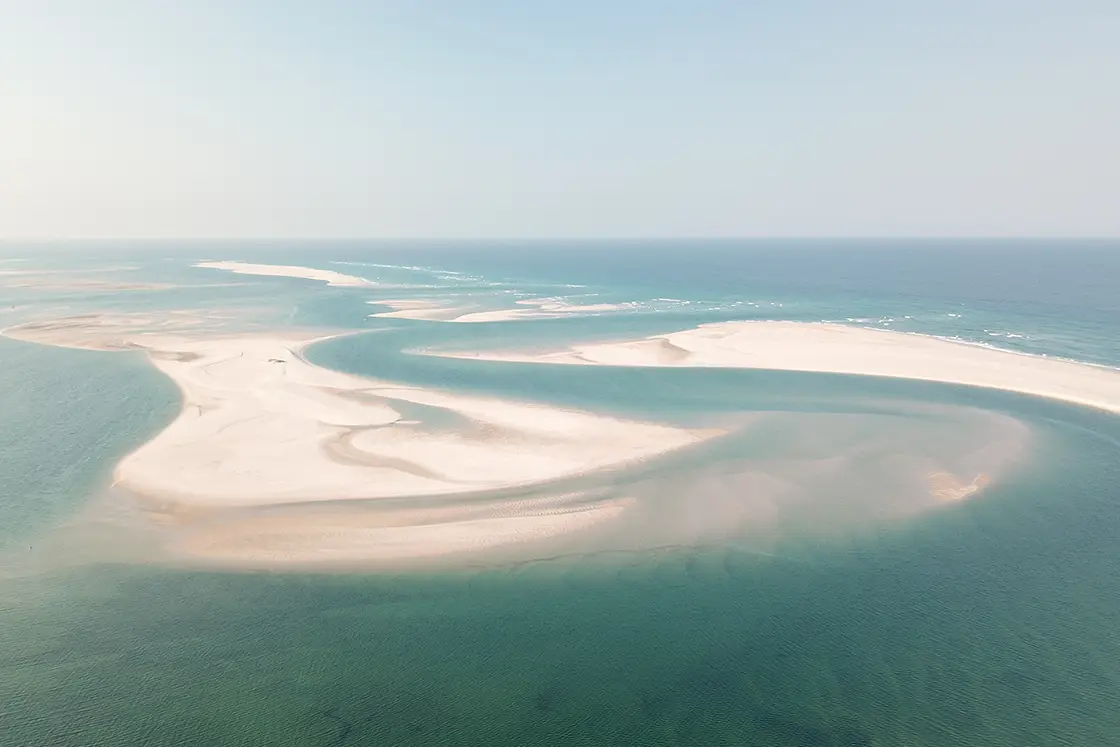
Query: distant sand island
(289, 271)
(836, 348)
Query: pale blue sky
(559, 119)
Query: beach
(841, 349)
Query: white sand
(527, 308)
(834, 348)
(260, 426)
(426, 310)
(539, 308)
(357, 537)
(289, 271)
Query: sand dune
(834, 348)
(289, 271)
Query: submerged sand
(262, 427)
(835, 348)
(949, 487)
(75, 279)
(289, 271)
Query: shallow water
(65, 413)
(854, 615)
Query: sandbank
(835, 348)
(262, 427)
(421, 310)
(289, 271)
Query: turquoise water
(850, 620)
(65, 413)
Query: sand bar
(260, 427)
(835, 348)
(290, 271)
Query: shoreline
(822, 347)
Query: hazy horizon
(719, 119)
(877, 239)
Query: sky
(541, 119)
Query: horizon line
(540, 239)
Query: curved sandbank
(289, 271)
(262, 427)
(836, 348)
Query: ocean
(850, 616)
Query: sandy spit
(836, 348)
(289, 271)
